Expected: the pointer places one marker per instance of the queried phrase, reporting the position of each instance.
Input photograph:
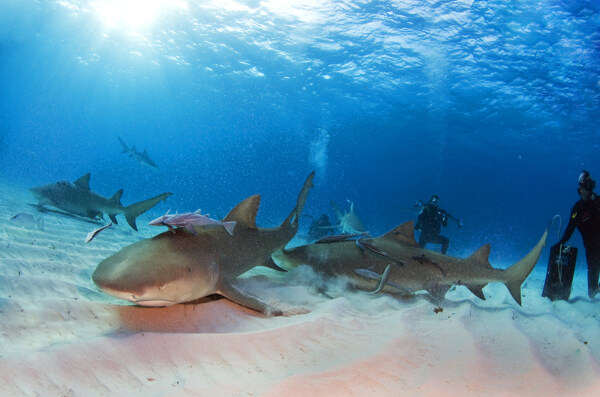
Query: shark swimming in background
(348, 222)
(142, 157)
(179, 266)
(395, 263)
(77, 198)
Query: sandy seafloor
(60, 336)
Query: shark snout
(157, 272)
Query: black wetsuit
(430, 221)
(585, 215)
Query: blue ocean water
(492, 105)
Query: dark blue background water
(493, 105)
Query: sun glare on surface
(134, 15)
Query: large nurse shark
(395, 263)
(77, 198)
(179, 266)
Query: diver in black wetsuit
(320, 227)
(585, 215)
(430, 221)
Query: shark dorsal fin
(83, 182)
(404, 233)
(117, 196)
(481, 256)
(245, 212)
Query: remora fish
(90, 236)
(27, 221)
(142, 158)
(181, 267)
(414, 269)
(77, 198)
(190, 220)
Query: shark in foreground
(179, 266)
(141, 157)
(77, 198)
(394, 263)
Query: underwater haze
(492, 105)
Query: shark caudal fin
(517, 273)
(292, 219)
(134, 210)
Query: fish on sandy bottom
(394, 263)
(179, 266)
(27, 221)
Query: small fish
(341, 237)
(27, 221)
(366, 245)
(93, 233)
(190, 220)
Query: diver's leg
(593, 264)
(422, 240)
(445, 242)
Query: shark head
(167, 269)
(52, 193)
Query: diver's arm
(570, 228)
(444, 215)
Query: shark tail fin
(517, 273)
(337, 210)
(292, 219)
(134, 210)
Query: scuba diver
(430, 221)
(585, 215)
(320, 227)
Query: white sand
(60, 336)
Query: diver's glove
(564, 250)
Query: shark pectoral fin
(113, 218)
(234, 294)
(438, 291)
(477, 290)
(270, 263)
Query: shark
(77, 198)
(179, 266)
(348, 222)
(394, 263)
(142, 157)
